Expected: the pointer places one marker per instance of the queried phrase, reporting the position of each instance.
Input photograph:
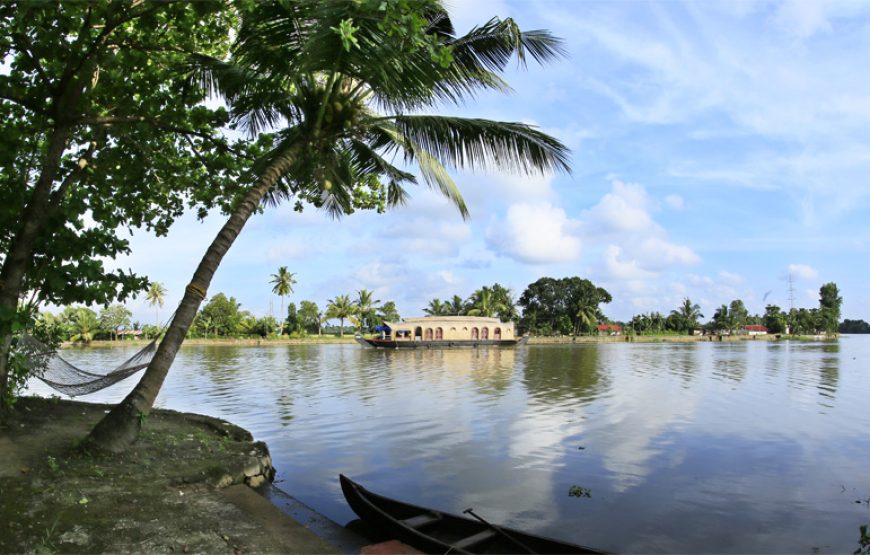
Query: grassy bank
(183, 487)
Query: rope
(195, 289)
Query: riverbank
(184, 487)
(534, 340)
(672, 338)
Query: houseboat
(444, 332)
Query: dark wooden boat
(434, 531)
(440, 344)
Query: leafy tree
(114, 318)
(366, 310)
(561, 305)
(854, 326)
(310, 317)
(223, 313)
(99, 119)
(283, 283)
(292, 321)
(321, 69)
(341, 307)
(738, 315)
(155, 296)
(775, 319)
(830, 303)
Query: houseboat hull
(440, 344)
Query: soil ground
(182, 488)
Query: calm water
(748, 447)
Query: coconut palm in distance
(341, 307)
(341, 78)
(155, 296)
(688, 314)
(366, 308)
(283, 283)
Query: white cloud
(802, 271)
(624, 209)
(534, 234)
(658, 252)
(622, 269)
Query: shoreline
(191, 483)
(533, 340)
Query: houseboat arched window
(418, 332)
(496, 334)
(428, 334)
(439, 334)
(484, 333)
(475, 334)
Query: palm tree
(155, 296)
(366, 309)
(84, 326)
(587, 316)
(341, 307)
(687, 314)
(436, 308)
(322, 69)
(456, 306)
(284, 283)
(484, 302)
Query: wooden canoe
(433, 531)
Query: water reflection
(557, 373)
(713, 447)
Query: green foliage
(366, 310)
(685, 317)
(222, 314)
(775, 319)
(863, 541)
(388, 313)
(309, 316)
(854, 326)
(343, 308)
(48, 331)
(84, 326)
(561, 306)
(115, 318)
(579, 491)
(129, 120)
(830, 303)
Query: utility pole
(790, 292)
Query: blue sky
(716, 149)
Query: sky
(717, 148)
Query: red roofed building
(609, 329)
(755, 330)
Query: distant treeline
(549, 306)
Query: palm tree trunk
(120, 428)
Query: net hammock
(51, 368)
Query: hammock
(63, 376)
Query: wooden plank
(471, 541)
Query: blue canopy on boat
(383, 328)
